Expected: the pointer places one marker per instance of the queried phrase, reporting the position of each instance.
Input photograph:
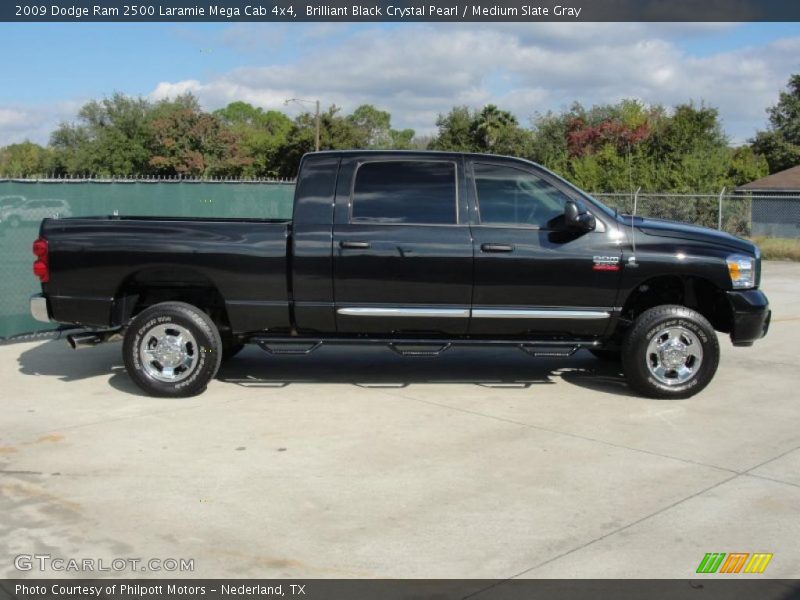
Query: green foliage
(262, 134)
(112, 137)
(366, 128)
(620, 147)
(374, 126)
(491, 130)
(604, 148)
(780, 143)
(189, 142)
(25, 160)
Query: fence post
(636, 200)
(719, 214)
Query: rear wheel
(670, 352)
(172, 349)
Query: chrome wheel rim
(168, 353)
(674, 355)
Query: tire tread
(635, 336)
(191, 313)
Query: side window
(421, 192)
(509, 196)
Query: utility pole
(316, 117)
(316, 144)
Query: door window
(418, 192)
(513, 197)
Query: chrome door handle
(354, 245)
(497, 248)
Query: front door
(402, 250)
(533, 277)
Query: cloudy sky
(413, 70)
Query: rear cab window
(420, 192)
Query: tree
(262, 134)
(24, 160)
(455, 130)
(112, 137)
(490, 130)
(780, 143)
(374, 126)
(403, 139)
(193, 143)
(497, 131)
(366, 127)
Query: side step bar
(421, 347)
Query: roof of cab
(440, 153)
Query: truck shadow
(371, 367)
(380, 368)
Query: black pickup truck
(418, 251)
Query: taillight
(41, 268)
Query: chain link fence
(743, 215)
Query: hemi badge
(605, 263)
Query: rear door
(402, 247)
(532, 276)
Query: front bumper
(751, 316)
(39, 308)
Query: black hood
(684, 231)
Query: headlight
(742, 270)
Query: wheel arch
(695, 292)
(176, 283)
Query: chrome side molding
(513, 313)
(461, 313)
(480, 313)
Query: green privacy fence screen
(23, 204)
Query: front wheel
(670, 352)
(172, 349)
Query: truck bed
(100, 265)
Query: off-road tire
(645, 328)
(201, 327)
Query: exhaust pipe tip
(78, 341)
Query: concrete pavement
(360, 463)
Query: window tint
(509, 196)
(405, 192)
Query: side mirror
(577, 218)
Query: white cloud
(34, 123)
(419, 70)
